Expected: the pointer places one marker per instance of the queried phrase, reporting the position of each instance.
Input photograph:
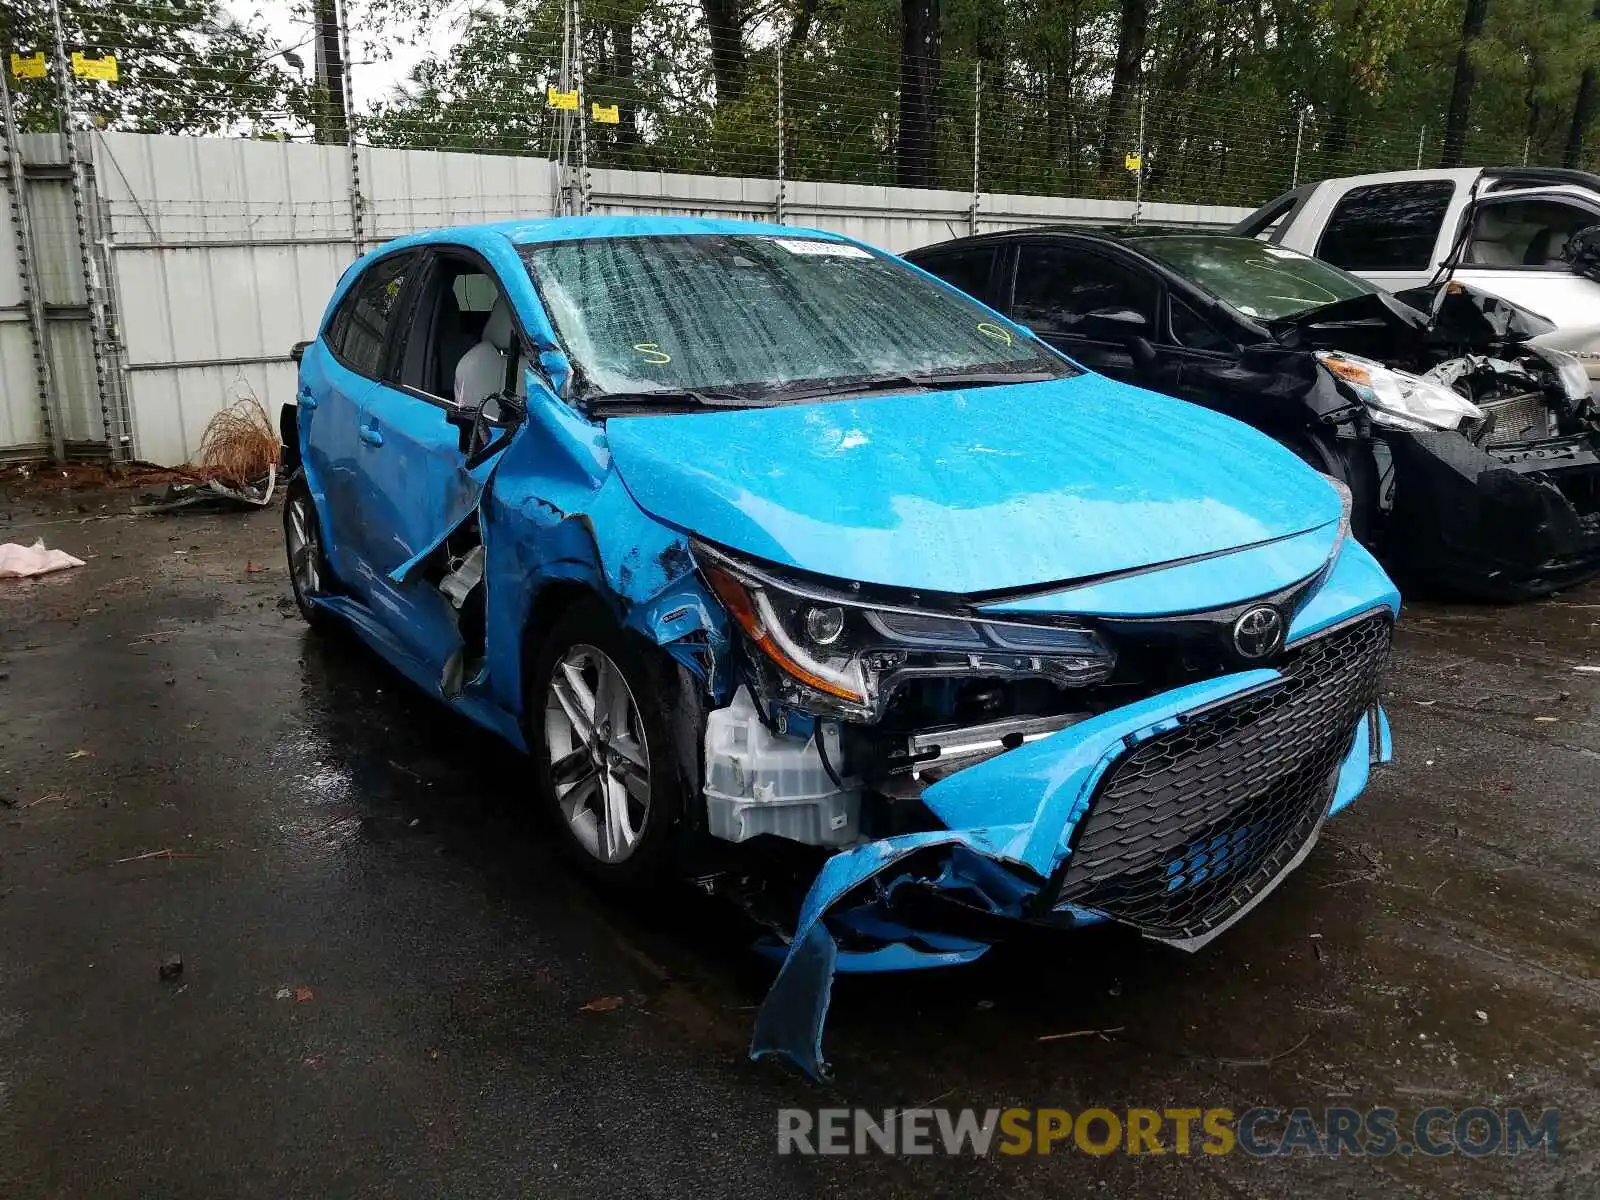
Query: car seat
(1492, 237)
(481, 373)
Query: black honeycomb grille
(1189, 826)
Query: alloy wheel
(305, 548)
(599, 756)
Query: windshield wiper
(929, 381)
(672, 397)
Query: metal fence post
(779, 199)
(80, 218)
(583, 110)
(27, 258)
(977, 137)
(1138, 175)
(1299, 139)
(358, 204)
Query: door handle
(308, 398)
(372, 435)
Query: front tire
(606, 762)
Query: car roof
(561, 229)
(1501, 177)
(1119, 235)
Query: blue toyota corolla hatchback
(787, 563)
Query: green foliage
(184, 66)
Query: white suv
(1503, 227)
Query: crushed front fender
(1012, 823)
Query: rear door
(337, 375)
(1064, 291)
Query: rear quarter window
(968, 270)
(1386, 226)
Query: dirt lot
(385, 968)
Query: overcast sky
(371, 77)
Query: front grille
(1525, 418)
(1190, 825)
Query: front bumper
(1503, 522)
(1175, 815)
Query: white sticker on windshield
(1280, 252)
(810, 246)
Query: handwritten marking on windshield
(653, 354)
(990, 330)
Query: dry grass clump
(239, 443)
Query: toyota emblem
(1258, 632)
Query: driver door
(423, 487)
(1515, 249)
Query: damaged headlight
(1398, 400)
(836, 653)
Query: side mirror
(298, 350)
(474, 424)
(1582, 252)
(1114, 324)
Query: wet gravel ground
(385, 967)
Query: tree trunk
(725, 30)
(1583, 109)
(800, 30)
(919, 86)
(1119, 132)
(329, 120)
(622, 68)
(1455, 125)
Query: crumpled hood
(971, 490)
(1450, 317)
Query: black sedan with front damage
(1473, 456)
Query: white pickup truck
(1504, 228)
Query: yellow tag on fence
(1132, 161)
(563, 100)
(95, 68)
(605, 114)
(28, 66)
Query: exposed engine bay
(846, 711)
(1474, 452)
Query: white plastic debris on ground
(19, 562)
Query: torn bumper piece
(942, 897)
(1500, 521)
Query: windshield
(759, 315)
(1266, 282)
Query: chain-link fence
(702, 87)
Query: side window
(1524, 233)
(359, 327)
(968, 270)
(1386, 226)
(455, 346)
(1190, 329)
(1059, 285)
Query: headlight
(835, 653)
(1398, 400)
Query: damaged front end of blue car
(1171, 808)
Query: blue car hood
(971, 490)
